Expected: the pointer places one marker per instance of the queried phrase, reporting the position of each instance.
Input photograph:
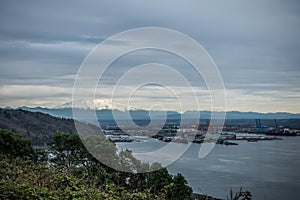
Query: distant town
(196, 132)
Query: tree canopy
(14, 145)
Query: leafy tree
(179, 190)
(14, 145)
(65, 149)
(102, 150)
(157, 180)
(133, 176)
(69, 153)
(173, 187)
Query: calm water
(269, 169)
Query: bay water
(268, 169)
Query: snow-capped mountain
(96, 104)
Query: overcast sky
(255, 44)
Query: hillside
(36, 126)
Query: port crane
(259, 128)
(202, 126)
(277, 131)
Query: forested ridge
(38, 127)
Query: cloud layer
(255, 44)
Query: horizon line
(53, 108)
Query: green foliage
(102, 149)
(180, 190)
(27, 180)
(67, 150)
(160, 181)
(70, 154)
(157, 180)
(76, 174)
(14, 145)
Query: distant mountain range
(38, 124)
(107, 114)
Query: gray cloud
(254, 43)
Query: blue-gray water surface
(268, 169)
